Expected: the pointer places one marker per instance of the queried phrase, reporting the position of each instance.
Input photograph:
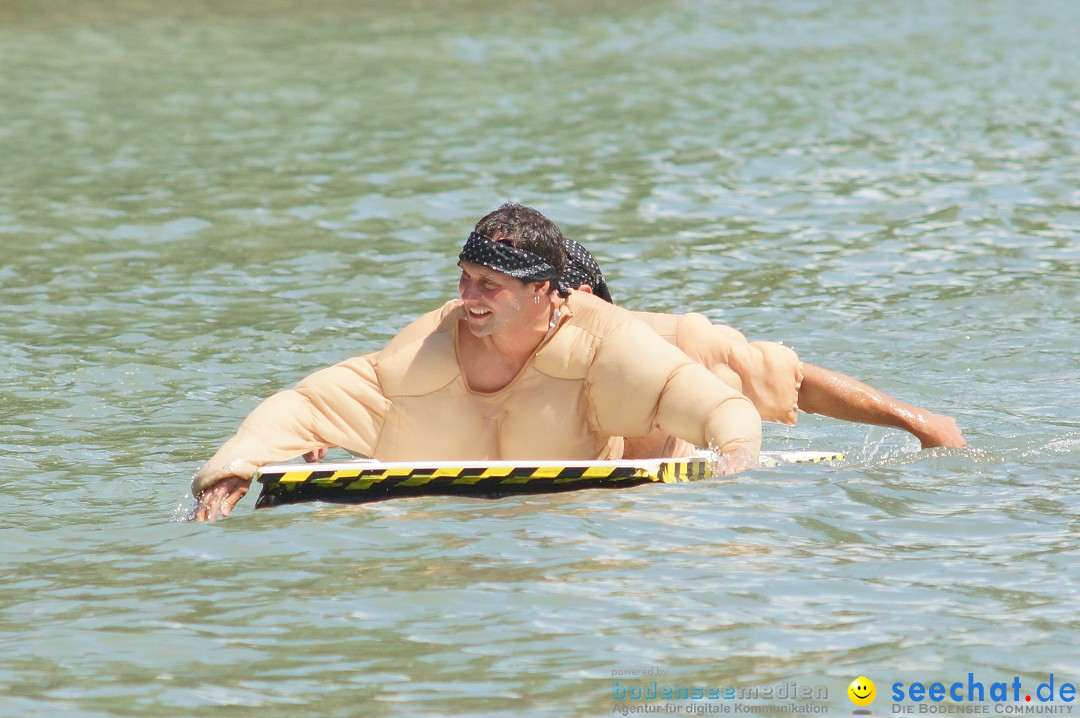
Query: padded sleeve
(769, 374)
(638, 381)
(342, 405)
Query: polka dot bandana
(581, 268)
(508, 259)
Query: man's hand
(939, 430)
(220, 498)
(734, 461)
(315, 454)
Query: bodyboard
(365, 480)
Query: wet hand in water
(940, 430)
(220, 498)
(732, 462)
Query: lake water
(201, 203)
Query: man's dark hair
(525, 228)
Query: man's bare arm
(833, 394)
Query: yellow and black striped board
(361, 481)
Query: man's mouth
(477, 313)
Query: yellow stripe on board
(295, 477)
(361, 485)
(495, 472)
(416, 481)
(678, 471)
(550, 472)
(446, 472)
(470, 480)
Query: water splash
(878, 450)
(185, 510)
(1068, 444)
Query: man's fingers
(941, 430)
(315, 455)
(734, 461)
(220, 499)
(202, 508)
(209, 503)
(231, 498)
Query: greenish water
(199, 205)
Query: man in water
(770, 374)
(518, 368)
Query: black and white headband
(504, 257)
(581, 268)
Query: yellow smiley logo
(862, 691)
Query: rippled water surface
(202, 203)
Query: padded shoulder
(423, 357)
(422, 326)
(666, 325)
(586, 320)
(697, 337)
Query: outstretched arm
(339, 406)
(833, 394)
